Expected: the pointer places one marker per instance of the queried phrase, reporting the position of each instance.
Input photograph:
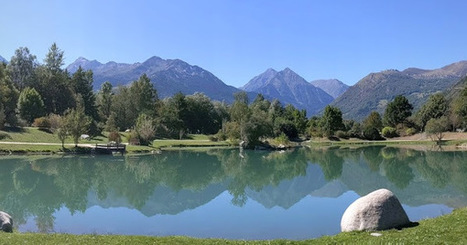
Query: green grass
(448, 229)
(35, 135)
(194, 140)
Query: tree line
(49, 97)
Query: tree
(104, 101)
(145, 129)
(436, 127)
(397, 111)
(77, 122)
(81, 84)
(21, 68)
(30, 105)
(372, 125)
(8, 97)
(459, 108)
(435, 107)
(331, 120)
(54, 59)
(144, 95)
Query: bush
(389, 132)
(371, 133)
(115, 136)
(341, 134)
(410, 131)
(41, 122)
(282, 139)
(4, 135)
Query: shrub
(341, 134)
(371, 133)
(410, 131)
(115, 136)
(389, 132)
(282, 139)
(41, 122)
(4, 135)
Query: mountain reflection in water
(262, 195)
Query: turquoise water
(299, 194)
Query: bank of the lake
(447, 229)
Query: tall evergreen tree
(397, 111)
(8, 97)
(81, 84)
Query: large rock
(6, 222)
(379, 210)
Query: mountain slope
(168, 76)
(333, 87)
(376, 90)
(289, 88)
(3, 60)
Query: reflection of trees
(40, 187)
(329, 160)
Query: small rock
(379, 210)
(6, 222)
(376, 234)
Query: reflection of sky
(309, 218)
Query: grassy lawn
(194, 140)
(448, 229)
(35, 135)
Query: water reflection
(177, 181)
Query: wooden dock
(110, 148)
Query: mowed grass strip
(448, 229)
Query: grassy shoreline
(449, 228)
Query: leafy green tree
(372, 125)
(145, 129)
(435, 107)
(397, 111)
(8, 97)
(30, 105)
(202, 117)
(21, 68)
(459, 108)
(123, 107)
(331, 121)
(436, 127)
(77, 122)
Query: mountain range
(289, 88)
(169, 77)
(333, 87)
(376, 90)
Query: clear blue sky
(239, 39)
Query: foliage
(435, 107)
(115, 136)
(372, 125)
(81, 84)
(389, 132)
(4, 135)
(410, 131)
(331, 120)
(397, 111)
(22, 68)
(145, 129)
(76, 123)
(342, 134)
(436, 127)
(8, 98)
(41, 122)
(30, 104)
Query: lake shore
(449, 228)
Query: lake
(226, 193)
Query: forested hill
(333, 87)
(374, 91)
(169, 77)
(289, 88)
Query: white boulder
(6, 222)
(379, 210)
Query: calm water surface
(300, 194)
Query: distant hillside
(374, 91)
(3, 60)
(289, 88)
(168, 76)
(333, 87)
(454, 91)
